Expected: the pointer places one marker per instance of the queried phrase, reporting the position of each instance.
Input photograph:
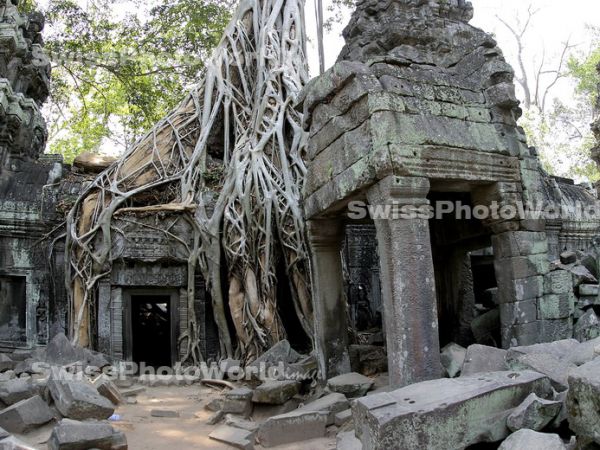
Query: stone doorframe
(408, 281)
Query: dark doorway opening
(13, 309)
(151, 329)
(455, 236)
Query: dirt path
(189, 431)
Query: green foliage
(114, 74)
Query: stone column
(329, 300)
(407, 283)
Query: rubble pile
(60, 385)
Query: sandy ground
(189, 431)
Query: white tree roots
(228, 161)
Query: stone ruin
(420, 109)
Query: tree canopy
(117, 70)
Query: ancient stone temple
(27, 206)
(419, 109)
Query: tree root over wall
(228, 160)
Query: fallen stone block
(585, 352)
(528, 439)
(581, 275)
(280, 355)
(555, 368)
(73, 435)
(262, 411)
(559, 349)
(343, 417)
(451, 412)
(347, 440)
(6, 362)
(17, 389)
(215, 418)
(588, 289)
(60, 351)
(8, 375)
(583, 400)
(237, 422)
(533, 414)
(453, 357)
(275, 392)
(331, 404)
(587, 327)
(568, 257)
(12, 443)
(235, 437)
(25, 415)
(108, 389)
(3, 433)
(166, 413)
(29, 367)
(352, 385)
(481, 358)
(78, 400)
(292, 427)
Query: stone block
(587, 327)
(558, 282)
(343, 417)
(280, 353)
(481, 358)
(275, 392)
(555, 329)
(6, 363)
(519, 312)
(568, 257)
(554, 368)
(516, 268)
(451, 412)
(533, 414)
(556, 306)
(17, 389)
(74, 435)
(12, 443)
(25, 415)
(516, 290)
(78, 400)
(521, 334)
(519, 243)
(237, 422)
(583, 400)
(60, 351)
(292, 427)
(108, 389)
(453, 358)
(331, 404)
(347, 440)
(528, 439)
(234, 437)
(585, 352)
(352, 384)
(588, 289)
(560, 349)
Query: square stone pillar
(329, 300)
(407, 282)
